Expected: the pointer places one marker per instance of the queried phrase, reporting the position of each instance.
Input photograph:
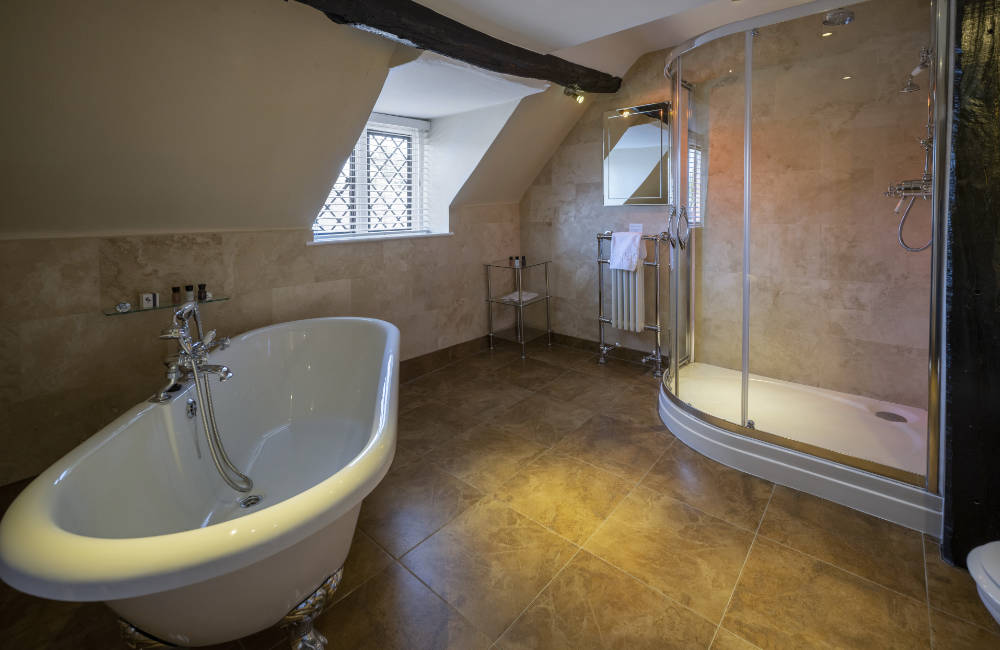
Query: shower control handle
(671, 231)
(682, 241)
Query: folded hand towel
(627, 250)
(525, 296)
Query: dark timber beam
(414, 24)
(972, 415)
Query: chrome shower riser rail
(656, 356)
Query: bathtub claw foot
(309, 640)
(136, 638)
(299, 621)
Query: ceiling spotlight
(825, 34)
(838, 17)
(846, 77)
(574, 92)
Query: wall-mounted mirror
(636, 155)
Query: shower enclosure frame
(899, 496)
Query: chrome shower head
(838, 17)
(910, 86)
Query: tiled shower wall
(835, 302)
(68, 370)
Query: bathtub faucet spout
(225, 374)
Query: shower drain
(890, 416)
(250, 501)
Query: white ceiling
(615, 53)
(604, 35)
(548, 25)
(432, 86)
(587, 32)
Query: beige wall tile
(45, 278)
(57, 345)
(133, 265)
(826, 270)
(314, 300)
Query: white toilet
(984, 565)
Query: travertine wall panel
(835, 302)
(68, 370)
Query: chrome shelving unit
(519, 298)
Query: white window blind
(695, 173)
(380, 190)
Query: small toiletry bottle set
(177, 296)
(517, 262)
(188, 294)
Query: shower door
(838, 319)
(707, 262)
(796, 317)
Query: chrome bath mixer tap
(191, 363)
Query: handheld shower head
(925, 63)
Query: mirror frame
(658, 110)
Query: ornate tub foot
(136, 638)
(300, 620)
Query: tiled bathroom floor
(542, 504)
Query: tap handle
(209, 337)
(173, 332)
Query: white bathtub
(137, 516)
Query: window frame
(359, 164)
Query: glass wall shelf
(114, 312)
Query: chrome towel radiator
(655, 356)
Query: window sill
(357, 238)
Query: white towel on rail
(627, 251)
(628, 300)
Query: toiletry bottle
(202, 294)
(175, 295)
(524, 261)
(188, 292)
(510, 260)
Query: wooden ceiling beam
(414, 24)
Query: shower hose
(899, 232)
(223, 464)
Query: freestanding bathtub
(137, 516)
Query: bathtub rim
(40, 558)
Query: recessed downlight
(825, 34)
(846, 77)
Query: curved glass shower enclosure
(796, 317)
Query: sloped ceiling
(606, 36)
(123, 116)
(433, 86)
(200, 115)
(534, 131)
(549, 25)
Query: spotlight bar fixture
(574, 92)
